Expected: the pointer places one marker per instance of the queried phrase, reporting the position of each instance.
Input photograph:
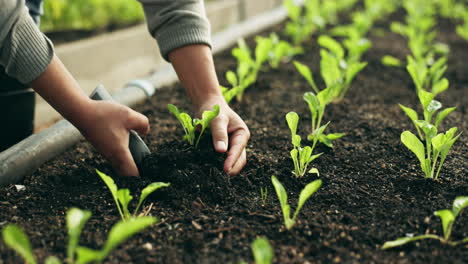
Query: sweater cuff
(29, 52)
(182, 35)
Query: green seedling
(247, 68)
(306, 193)
(122, 197)
(317, 103)
(301, 156)
(297, 28)
(280, 50)
(264, 195)
(190, 124)
(447, 218)
(15, 238)
(262, 251)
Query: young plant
(279, 49)
(15, 238)
(122, 197)
(447, 218)
(317, 103)
(247, 68)
(301, 157)
(264, 195)
(298, 27)
(190, 124)
(262, 251)
(306, 193)
(433, 153)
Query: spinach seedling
(298, 28)
(306, 193)
(15, 238)
(301, 156)
(279, 49)
(262, 251)
(122, 197)
(317, 102)
(447, 218)
(190, 124)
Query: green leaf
(442, 115)
(124, 230)
(404, 240)
(52, 260)
(307, 74)
(262, 251)
(391, 61)
(113, 189)
(332, 45)
(283, 198)
(313, 157)
(414, 144)
(353, 70)
(147, 191)
(458, 204)
(409, 112)
(231, 78)
(87, 255)
(429, 129)
(314, 171)
(440, 86)
(124, 199)
(306, 193)
(330, 68)
(425, 98)
(292, 118)
(262, 49)
(76, 219)
(207, 117)
(16, 239)
(312, 101)
(438, 141)
(447, 218)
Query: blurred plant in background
(61, 15)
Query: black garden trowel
(136, 145)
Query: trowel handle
(137, 146)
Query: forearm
(58, 87)
(195, 69)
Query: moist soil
(373, 189)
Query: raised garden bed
(372, 192)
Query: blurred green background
(64, 15)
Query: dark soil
(373, 189)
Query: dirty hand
(230, 134)
(106, 125)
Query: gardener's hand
(229, 133)
(106, 125)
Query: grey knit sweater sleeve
(177, 23)
(25, 52)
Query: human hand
(106, 125)
(230, 134)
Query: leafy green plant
(447, 218)
(190, 124)
(247, 67)
(433, 153)
(15, 238)
(262, 251)
(298, 27)
(122, 197)
(301, 156)
(391, 61)
(317, 102)
(306, 193)
(279, 49)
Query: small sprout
(122, 197)
(190, 124)
(301, 157)
(264, 194)
(391, 61)
(447, 217)
(76, 219)
(262, 251)
(306, 193)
